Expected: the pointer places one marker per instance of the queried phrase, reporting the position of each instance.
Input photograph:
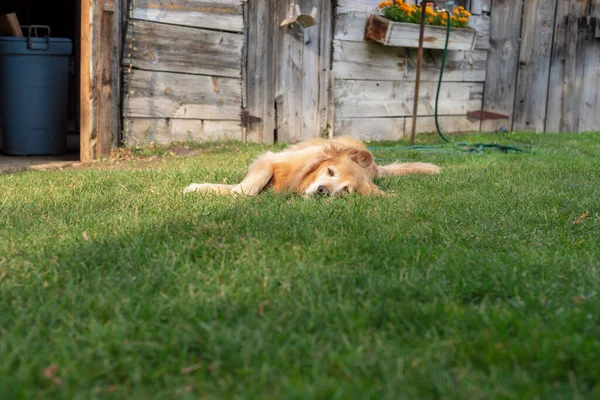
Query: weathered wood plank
(574, 68)
(448, 124)
(168, 95)
(503, 60)
(310, 80)
(398, 128)
(554, 105)
(139, 131)
(288, 91)
(223, 15)
(355, 99)
(161, 47)
(371, 61)
(564, 93)
(325, 16)
(356, 6)
(371, 129)
(590, 97)
(534, 65)
(261, 42)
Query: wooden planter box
(402, 34)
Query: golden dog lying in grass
(318, 166)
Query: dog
(334, 168)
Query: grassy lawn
(475, 284)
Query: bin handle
(34, 29)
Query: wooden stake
(418, 81)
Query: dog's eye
(330, 172)
(345, 189)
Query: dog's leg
(259, 175)
(408, 168)
(209, 187)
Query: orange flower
(382, 4)
(399, 2)
(455, 12)
(430, 20)
(466, 13)
(461, 8)
(453, 18)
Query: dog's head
(338, 172)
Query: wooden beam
(104, 83)
(87, 106)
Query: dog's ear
(362, 157)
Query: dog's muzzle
(323, 190)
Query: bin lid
(10, 45)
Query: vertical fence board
(567, 68)
(289, 89)
(534, 65)
(502, 61)
(590, 94)
(554, 108)
(260, 74)
(325, 20)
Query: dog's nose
(323, 190)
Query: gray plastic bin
(34, 95)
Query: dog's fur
(318, 166)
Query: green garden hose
(461, 146)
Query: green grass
(475, 284)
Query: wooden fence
(183, 70)
(207, 69)
(544, 65)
